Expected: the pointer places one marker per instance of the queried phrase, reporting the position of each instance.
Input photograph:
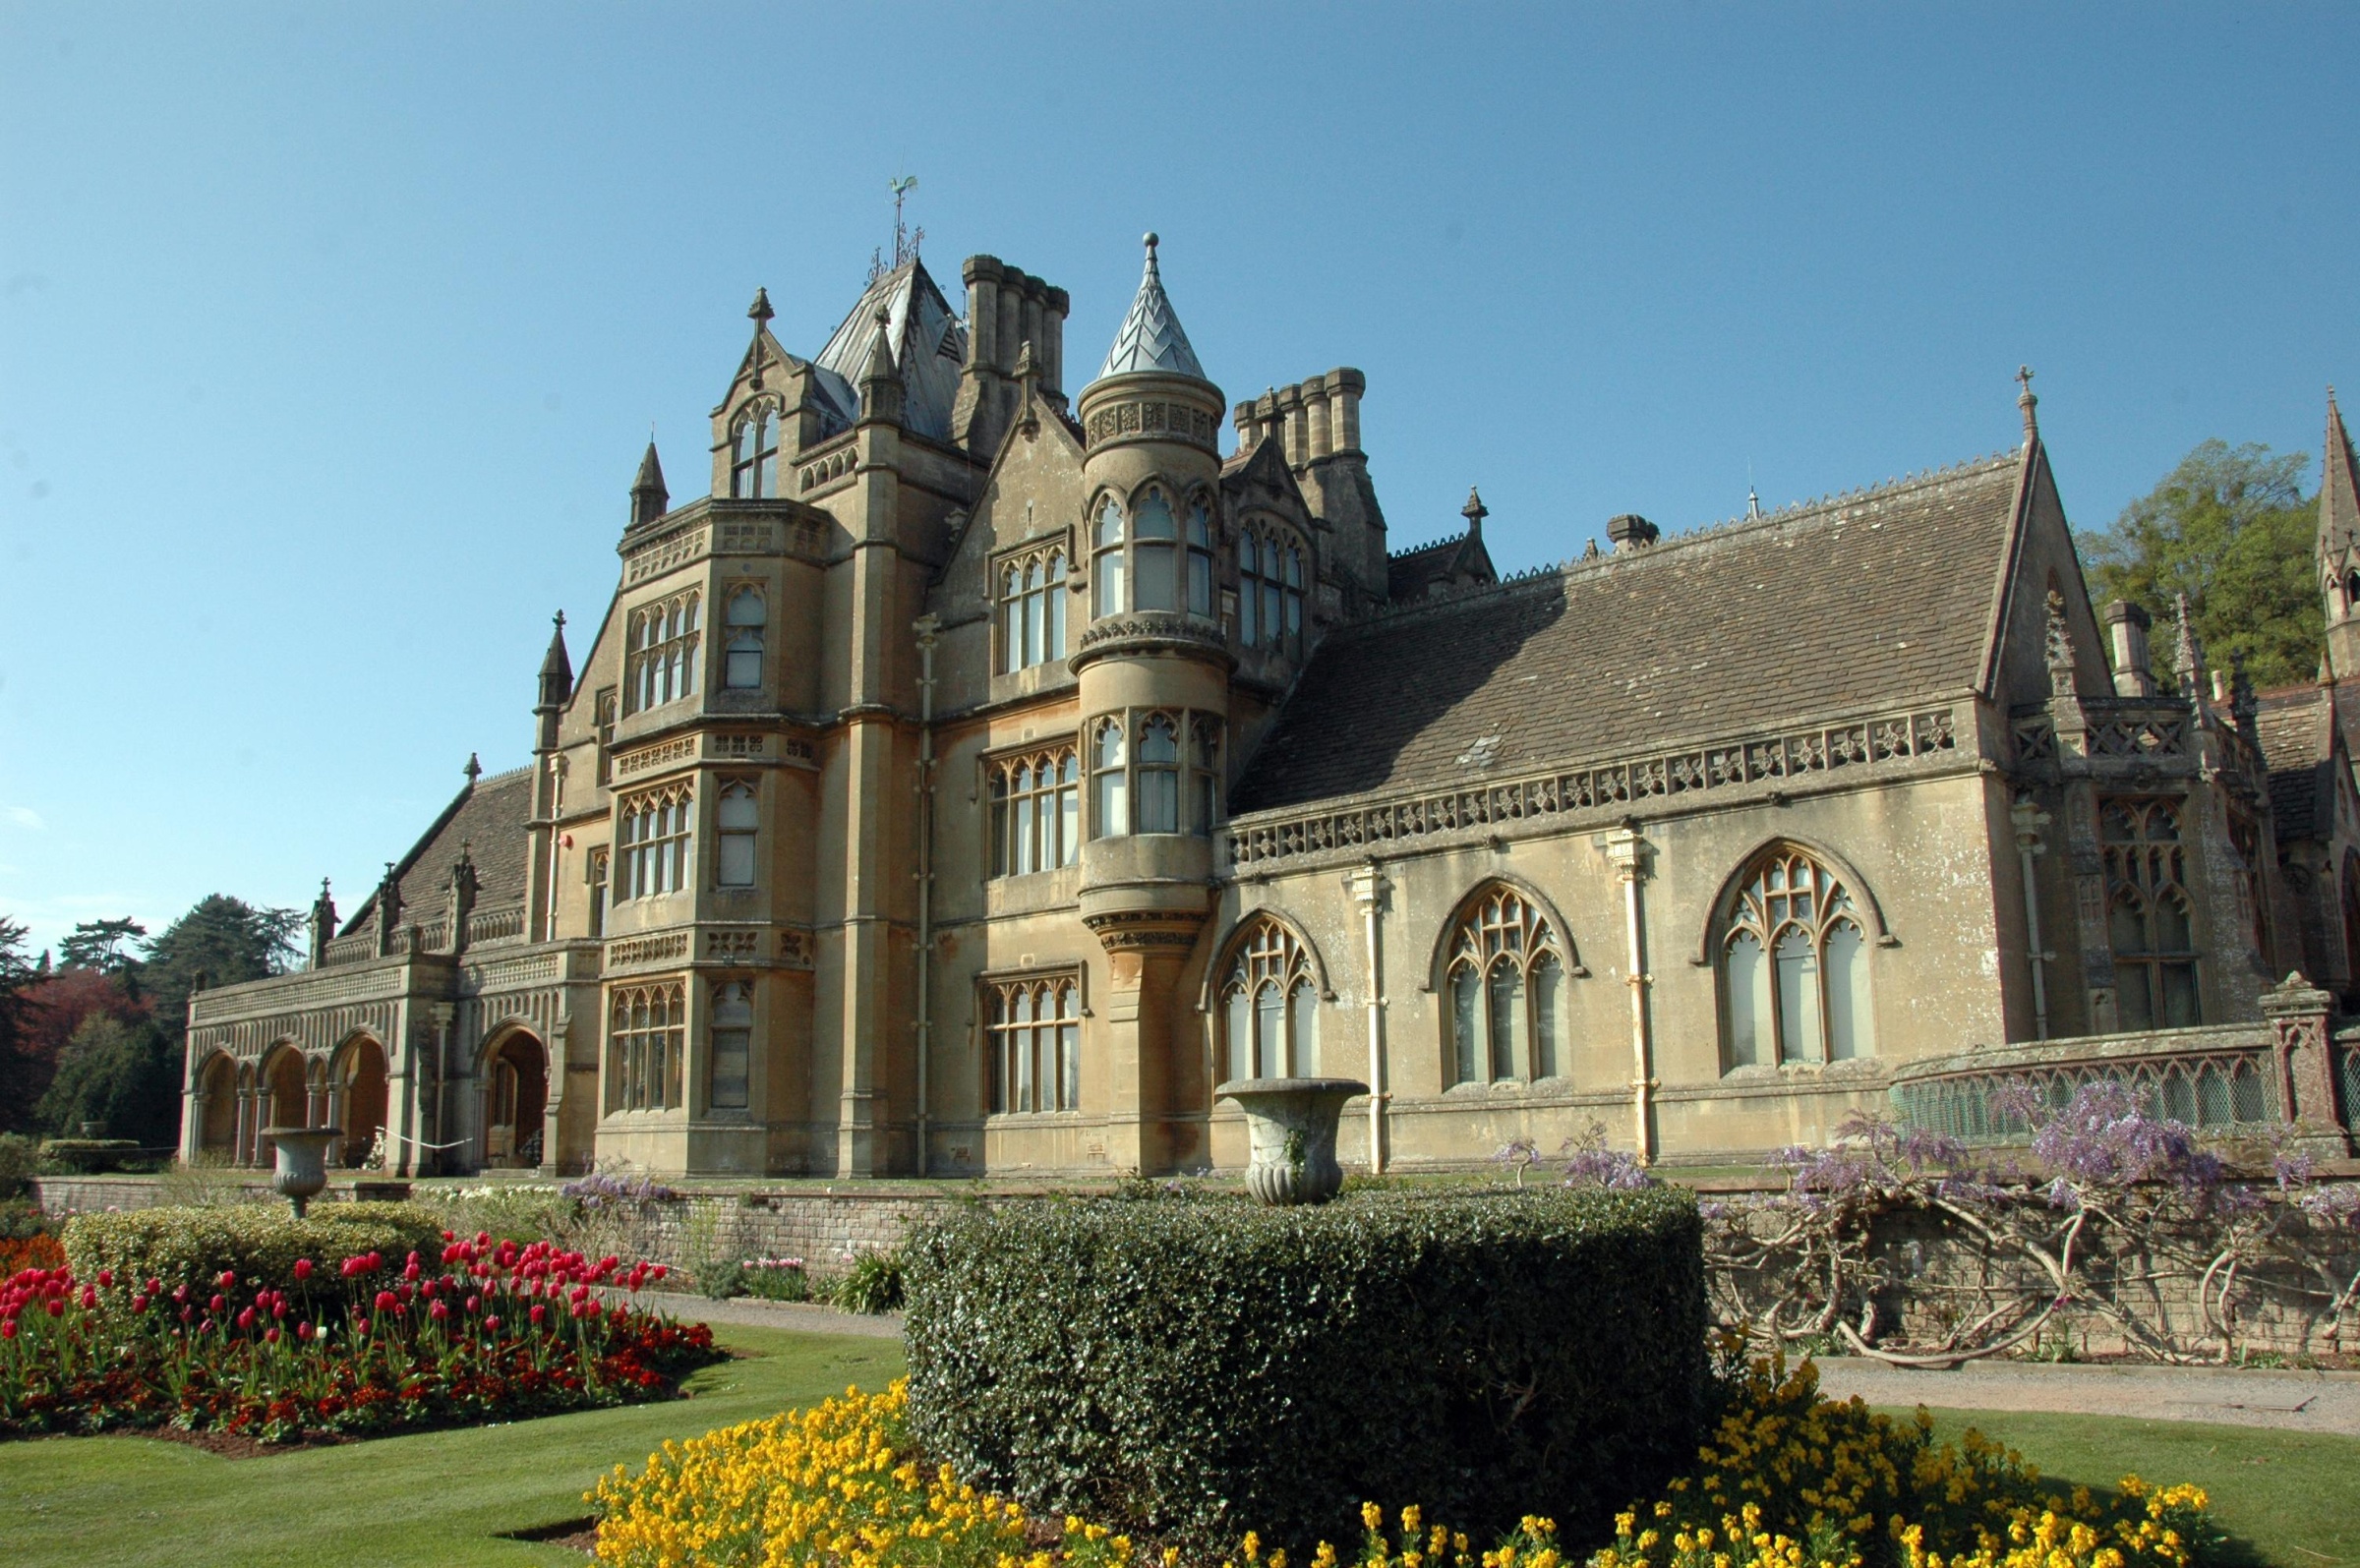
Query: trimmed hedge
(1192, 1370)
(259, 1241)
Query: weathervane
(904, 240)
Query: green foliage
(87, 1156)
(22, 1220)
(873, 1284)
(513, 1211)
(774, 1279)
(20, 1075)
(19, 1160)
(117, 1073)
(98, 945)
(719, 1278)
(220, 941)
(1192, 1370)
(260, 1242)
(2231, 528)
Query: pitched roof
(1876, 598)
(489, 816)
(928, 343)
(1150, 338)
(1410, 573)
(2298, 727)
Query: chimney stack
(1630, 532)
(2126, 633)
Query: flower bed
(1787, 1480)
(481, 1332)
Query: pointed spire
(1151, 338)
(557, 668)
(762, 313)
(474, 770)
(2338, 488)
(2025, 401)
(1474, 511)
(649, 497)
(2188, 650)
(881, 391)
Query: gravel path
(804, 1318)
(2303, 1402)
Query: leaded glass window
(1269, 1004)
(1793, 967)
(1505, 984)
(2149, 915)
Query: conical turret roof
(1151, 338)
(651, 473)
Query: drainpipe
(1629, 853)
(441, 1012)
(2030, 819)
(926, 626)
(1368, 887)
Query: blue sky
(330, 335)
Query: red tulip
(107, 1278)
(492, 1322)
(90, 1295)
(230, 1277)
(303, 1269)
(272, 1335)
(246, 1318)
(138, 1303)
(217, 1304)
(57, 1309)
(539, 1313)
(7, 1328)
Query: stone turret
(1153, 669)
(2339, 546)
(649, 497)
(557, 683)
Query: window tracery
(661, 651)
(653, 843)
(754, 453)
(1507, 985)
(1036, 811)
(2149, 919)
(1032, 609)
(1269, 1004)
(646, 1028)
(748, 619)
(1795, 966)
(1269, 588)
(1034, 1035)
(1148, 560)
(1154, 770)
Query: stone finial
(474, 770)
(2188, 650)
(760, 309)
(1474, 511)
(2025, 401)
(2243, 706)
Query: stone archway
(286, 1092)
(515, 1097)
(218, 1090)
(359, 1098)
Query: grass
(429, 1500)
(2287, 1499)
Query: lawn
(2288, 1499)
(432, 1499)
(2291, 1499)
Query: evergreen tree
(221, 940)
(117, 1075)
(17, 1011)
(2231, 528)
(98, 945)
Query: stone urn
(302, 1169)
(1292, 1125)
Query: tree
(98, 945)
(17, 1011)
(61, 1002)
(2231, 528)
(119, 1074)
(221, 940)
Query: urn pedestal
(1291, 1125)
(302, 1163)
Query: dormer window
(1270, 590)
(754, 459)
(747, 617)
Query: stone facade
(972, 779)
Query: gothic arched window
(1036, 812)
(2148, 914)
(1158, 774)
(1199, 560)
(1269, 1004)
(1270, 588)
(1793, 965)
(1111, 782)
(732, 1035)
(660, 652)
(754, 454)
(1154, 568)
(747, 617)
(1506, 984)
(737, 821)
(1106, 594)
(1032, 611)
(1036, 1044)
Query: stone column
(1630, 856)
(1368, 887)
(2303, 1067)
(1146, 950)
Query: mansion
(969, 777)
